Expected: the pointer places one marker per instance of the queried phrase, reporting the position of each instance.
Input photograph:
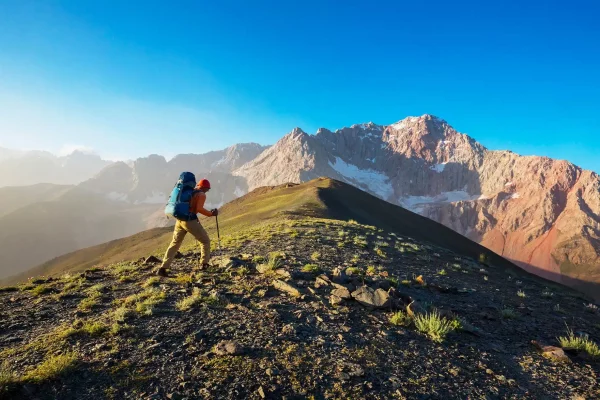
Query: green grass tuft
(87, 304)
(401, 319)
(7, 377)
(52, 368)
(152, 281)
(312, 268)
(41, 289)
(434, 326)
(580, 343)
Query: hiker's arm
(200, 206)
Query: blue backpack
(179, 202)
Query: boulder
(286, 287)
(322, 281)
(229, 347)
(335, 300)
(551, 352)
(342, 293)
(372, 298)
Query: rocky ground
(299, 309)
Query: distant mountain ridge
(43, 221)
(540, 213)
(23, 168)
(149, 180)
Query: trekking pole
(218, 234)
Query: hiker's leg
(178, 236)
(198, 231)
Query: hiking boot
(161, 272)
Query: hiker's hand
(214, 212)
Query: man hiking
(187, 220)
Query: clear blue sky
(127, 78)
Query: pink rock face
(542, 214)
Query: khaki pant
(181, 229)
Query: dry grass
(580, 343)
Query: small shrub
(311, 268)
(146, 300)
(123, 269)
(354, 271)
(360, 241)
(122, 314)
(371, 270)
(96, 290)
(243, 271)
(152, 281)
(93, 328)
(41, 289)
(547, 294)
(87, 304)
(401, 319)
(6, 376)
(394, 282)
(52, 368)
(434, 326)
(315, 256)
(276, 255)
(258, 259)
(119, 328)
(406, 282)
(182, 279)
(442, 272)
(521, 294)
(509, 313)
(579, 343)
(190, 301)
(379, 251)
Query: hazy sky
(130, 78)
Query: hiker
(187, 220)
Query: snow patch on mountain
(418, 203)
(439, 167)
(375, 181)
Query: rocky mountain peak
(297, 132)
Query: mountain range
(540, 213)
(24, 168)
